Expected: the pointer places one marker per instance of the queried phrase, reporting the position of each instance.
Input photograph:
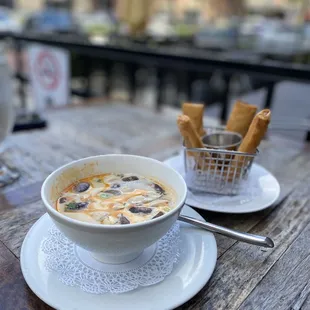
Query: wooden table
(246, 277)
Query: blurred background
(241, 41)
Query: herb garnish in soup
(116, 199)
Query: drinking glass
(7, 175)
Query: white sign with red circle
(49, 75)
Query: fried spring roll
(241, 117)
(189, 133)
(251, 141)
(256, 132)
(195, 112)
(192, 140)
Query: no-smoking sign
(47, 70)
(49, 75)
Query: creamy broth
(116, 199)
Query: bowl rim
(82, 224)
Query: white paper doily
(249, 188)
(249, 191)
(76, 266)
(260, 191)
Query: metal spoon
(237, 235)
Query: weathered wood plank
(288, 279)
(23, 161)
(115, 125)
(301, 298)
(241, 268)
(13, 238)
(18, 211)
(36, 163)
(6, 256)
(14, 292)
(20, 196)
(306, 304)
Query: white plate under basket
(264, 191)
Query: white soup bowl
(113, 243)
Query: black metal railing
(196, 63)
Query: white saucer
(266, 191)
(193, 270)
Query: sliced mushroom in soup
(116, 199)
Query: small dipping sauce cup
(226, 140)
(222, 140)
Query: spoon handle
(237, 235)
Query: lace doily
(76, 267)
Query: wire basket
(217, 171)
